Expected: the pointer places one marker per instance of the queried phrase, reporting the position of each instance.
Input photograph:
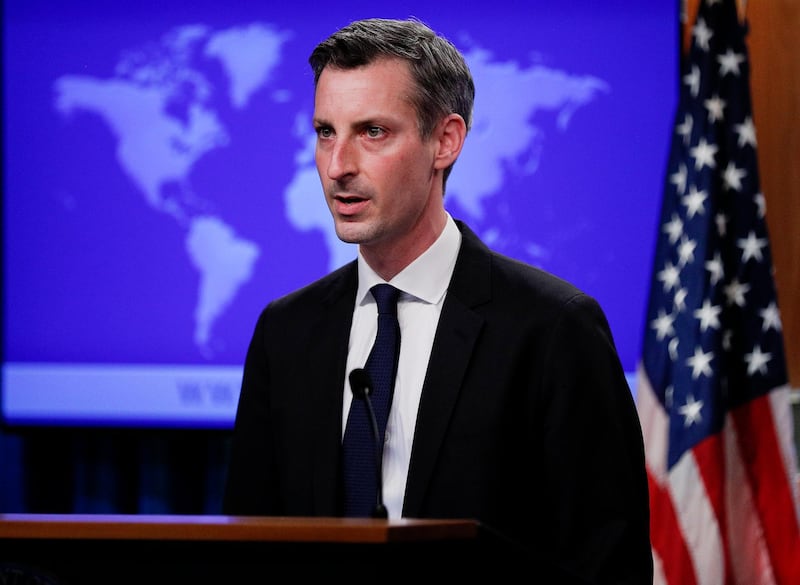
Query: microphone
(361, 386)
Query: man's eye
(374, 131)
(323, 132)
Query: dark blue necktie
(359, 446)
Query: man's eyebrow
(361, 123)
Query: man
(510, 405)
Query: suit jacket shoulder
(483, 275)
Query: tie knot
(386, 297)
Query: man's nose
(343, 160)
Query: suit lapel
(327, 360)
(456, 335)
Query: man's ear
(451, 133)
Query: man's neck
(390, 258)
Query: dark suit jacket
(526, 422)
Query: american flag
(712, 387)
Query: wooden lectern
(111, 549)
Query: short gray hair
(443, 80)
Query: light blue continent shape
(153, 148)
(249, 55)
(504, 135)
(157, 107)
(225, 263)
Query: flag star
(673, 348)
(771, 318)
(674, 228)
(735, 292)
(678, 178)
(686, 251)
(732, 177)
(751, 247)
(747, 132)
(701, 363)
(703, 154)
(685, 129)
(757, 361)
(708, 315)
(670, 276)
(761, 203)
(702, 34)
(691, 411)
(680, 299)
(729, 62)
(668, 393)
(715, 105)
(715, 269)
(663, 325)
(694, 202)
(722, 223)
(692, 79)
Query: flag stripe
(697, 517)
(667, 541)
(655, 427)
(773, 494)
(748, 551)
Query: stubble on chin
(351, 232)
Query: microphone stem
(380, 509)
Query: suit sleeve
(595, 480)
(248, 490)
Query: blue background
(92, 275)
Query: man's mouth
(350, 205)
(349, 199)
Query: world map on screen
(172, 103)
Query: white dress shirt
(424, 285)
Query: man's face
(377, 173)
